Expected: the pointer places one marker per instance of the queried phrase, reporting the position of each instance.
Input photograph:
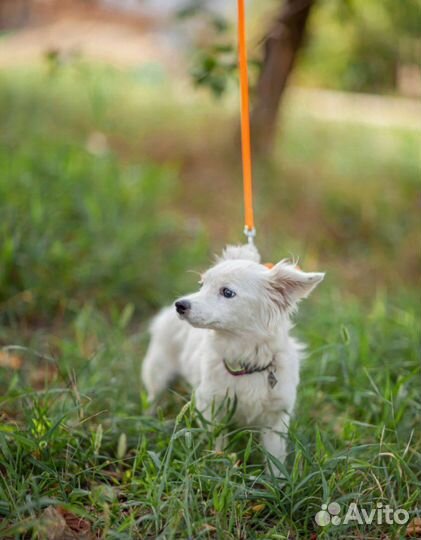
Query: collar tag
(272, 380)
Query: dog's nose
(182, 306)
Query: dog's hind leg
(160, 365)
(157, 371)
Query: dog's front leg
(274, 441)
(212, 416)
(274, 444)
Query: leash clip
(250, 233)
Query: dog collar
(246, 369)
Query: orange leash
(249, 228)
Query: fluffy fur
(252, 328)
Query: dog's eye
(227, 293)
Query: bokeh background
(120, 171)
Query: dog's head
(241, 295)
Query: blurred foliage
(78, 225)
(104, 203)
(201, 8)
(214, 66)
(214, 59)
(357, 45)
(353, 45)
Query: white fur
(252, 327)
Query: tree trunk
(14, 13)
(280, 50)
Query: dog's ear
(290, 285)
(246, 252)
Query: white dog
(236, 344)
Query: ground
(115, 184)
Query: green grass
(93, 243)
